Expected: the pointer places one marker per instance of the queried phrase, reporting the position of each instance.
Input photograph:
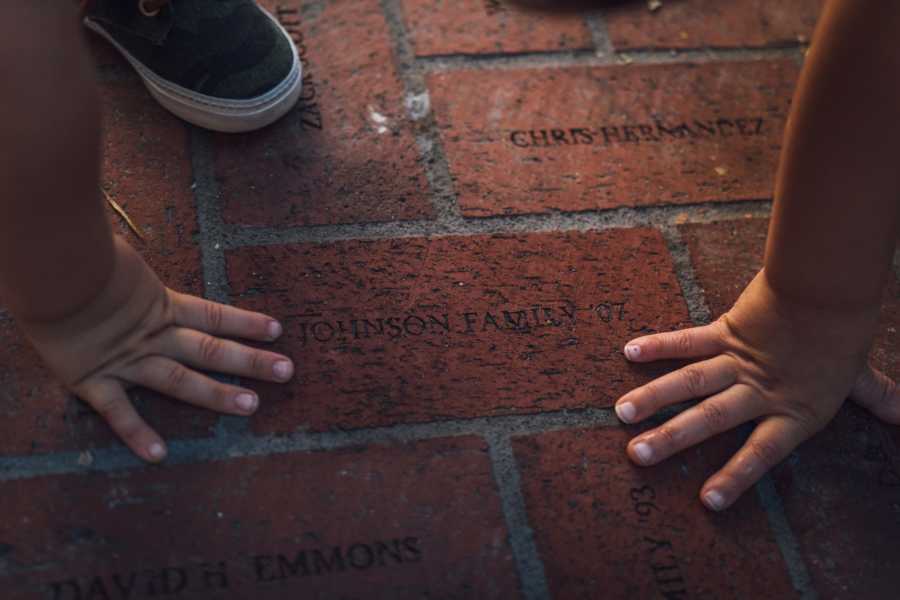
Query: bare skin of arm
(795, 344)
(94, 310)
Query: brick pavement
(473, 208)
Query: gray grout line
(574, 58)
(521, 536)
(236, 446)
(602, 45)
(691, 289)
(647, 216)
(784, 537)
(418, 107)
(212, 249)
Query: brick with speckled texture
(570, 139)
(434, 362)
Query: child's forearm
(837, 199)
(56, 247)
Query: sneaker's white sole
(218, 114)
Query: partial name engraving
(209, 578)
(317, 329)
(308, 105)
(658, 131)
(659, 551)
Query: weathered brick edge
(233, 438)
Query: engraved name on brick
(308, 105)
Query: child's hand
(138, 332)
(787, 366)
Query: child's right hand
(138, 332)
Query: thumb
(878, 394)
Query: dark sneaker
(225, 65)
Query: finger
(696, 342)
(220, 319)
(203, 351)
(177, 381)
(722, 412)
(878, 394)
(694, 381)
(769, 444)
(111, 402)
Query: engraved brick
(348, 152)
(841, 490)
(582, 138)
(605, 527)
(413, 330)
(439, 27)
(710, 23)
(415, 521)
(147, 170)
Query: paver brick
(710, 23)
(147, 170)
(413, 330)
(416, 521)
(347, 152)
(442, 27)
(606, 528)
(583, 138)
(841, 490)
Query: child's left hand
(785, 365)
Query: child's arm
(94, 310)
(795, 344)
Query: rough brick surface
(579, 138)
(841, 490)
(606, 528)
(418, 521)
(348, 152)
(147, 170)
(441, 27)
(711, 23)
(457, 326)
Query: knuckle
(667, 436)
(257, 363)
(683, 341)
(106, 407)
(210, 348)
(214, 316)
(694, 380)
(765, 452)
(651, 395)
(175, 378)
(715, 415)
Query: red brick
(348, 152)
(711, 23)
(841, 490)
(147, 171)
(433, 504)
(452, 368)
(438, 27)
(486, 116)
(602, 524)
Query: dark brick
(430, 363)
(348, 152)
(147, 171)
(711, 23)
(841, 490)
(603, 524)
(415, 521)
(526, 141)
(438, 27)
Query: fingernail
(632, 351)
(156, 451)
(275, 330)
(246, 402)
(282, 369)
(714, 500)
(644, 452)
(626, 412)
